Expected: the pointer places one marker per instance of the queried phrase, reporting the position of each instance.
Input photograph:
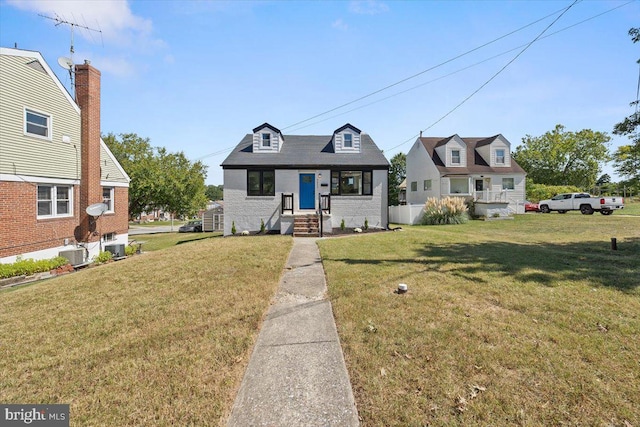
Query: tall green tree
(626, 159)
(561, 157)
(397, 172)
(214, 192)
(159, 179)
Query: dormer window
(455, 157)
(500, 157)
(266, 140)
(348, 141)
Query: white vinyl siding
(23, 87)
(266, 141)
(341, 142)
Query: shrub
(342, 226)
(449, 210)
(366, 224)
(103, 257)
(233, 227)
(262, 227)
(129, 250)
(537, 192)
(30, 266)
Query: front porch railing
(287, 203)
(491, 196)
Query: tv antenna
(64, 62)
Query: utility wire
(465, 68)
(423, 71)
(491, 78)
(224, 150)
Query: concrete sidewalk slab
(297, 375)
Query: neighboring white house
(480, 169)
(281, 180)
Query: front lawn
(527, 322)
(160, 339)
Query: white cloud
(368, 7)
(113, 17)
(339, 24)
(117, 66)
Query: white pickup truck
(583, 202)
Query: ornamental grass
(448, 210)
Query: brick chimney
(88, 98)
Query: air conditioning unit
(116, 250)
(75, 256)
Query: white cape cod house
(480, 169)
(301, 184)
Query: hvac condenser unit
(75, 256)
(116, 250)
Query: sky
(196, 76)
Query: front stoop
(306, 226)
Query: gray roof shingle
(306, 151)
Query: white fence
(406, 214)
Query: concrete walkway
(297, 375)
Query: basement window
(37, 124)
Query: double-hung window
(455, 157)
(266, 140)
(427, 185)
(37, 124)
(500, 156)
(348, 141)
(107, 198)
(261, 183)
(345, 183)
(54, 201)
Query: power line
(423, 71)
(464, 68)
(492, 77)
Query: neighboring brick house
(285, 181)
(54, 164)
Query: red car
(531, 207)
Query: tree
(626, 159)
(159, 179)
(562, 157)
(397, 173)
(214, 192)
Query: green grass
(176, 223)
(158, 241)
(631, 208)
(527, 322)
(159, 339)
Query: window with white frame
(54, 201)
(500, 156)
(37, 124)
(508, 184)
(427, 185)
(455, 157)
(266, 140)
(108, 197)
(348, 140)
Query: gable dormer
(496, 151)
(346, 139)
(267, 139)
(453, 151)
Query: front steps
(306, 226)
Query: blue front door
(307, 190)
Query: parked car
(531, 207)
(194, 226)
(583, 202)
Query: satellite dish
(97, 209)
(65, 62)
